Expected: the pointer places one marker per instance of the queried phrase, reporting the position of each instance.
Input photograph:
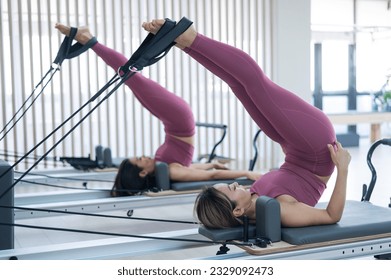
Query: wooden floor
(24, 237)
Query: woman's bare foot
(83, 34)
(184, 40)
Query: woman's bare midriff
(324, 179)
(188, 140)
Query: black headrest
(268, 224)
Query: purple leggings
(302, 130)
(162, 103)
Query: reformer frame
(347, 248)
(100, 201)
(103, 157)
(356, 235)
(374, 241)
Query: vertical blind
(29, 43)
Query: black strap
(167, 26)
(155, 47)
(152, 50)
(77, 49)
(68, 51)
(65, 47)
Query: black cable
(59, 186)
(112, 81)
(14, 154)
(31, 160)
(24, 103)
(85, 188)
(153, 48)
(129, 235)
(108, 233)
(126, 191)
(67, 178)
(62, 54)
(97, 215)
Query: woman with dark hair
(136, 174)
(304, 132)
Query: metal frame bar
(70, 173)
(86, 201)
(134, 247)
(110, 248)
(23, 200)
(101, 205)
(330, 252)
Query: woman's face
(237, 193)
(145, 163)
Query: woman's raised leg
(303, 130)
(162, 103)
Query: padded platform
(359, 219)
(222, 235)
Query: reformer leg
(6, 214)
(383, 257)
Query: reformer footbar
(152, 49)
(367, 190)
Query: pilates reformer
(364, 230)
(96, 200)
(111, 247)
(104, 159)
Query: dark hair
(215, 210)
(129, 182)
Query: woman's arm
(341, 159)
(297, 214)
(182, 173)
(207, 166)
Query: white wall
(291, 46)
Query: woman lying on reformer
(137, 173)
(304, 132)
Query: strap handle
(68, 51)
(65, 47)
(78, 49)
(155, 47)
